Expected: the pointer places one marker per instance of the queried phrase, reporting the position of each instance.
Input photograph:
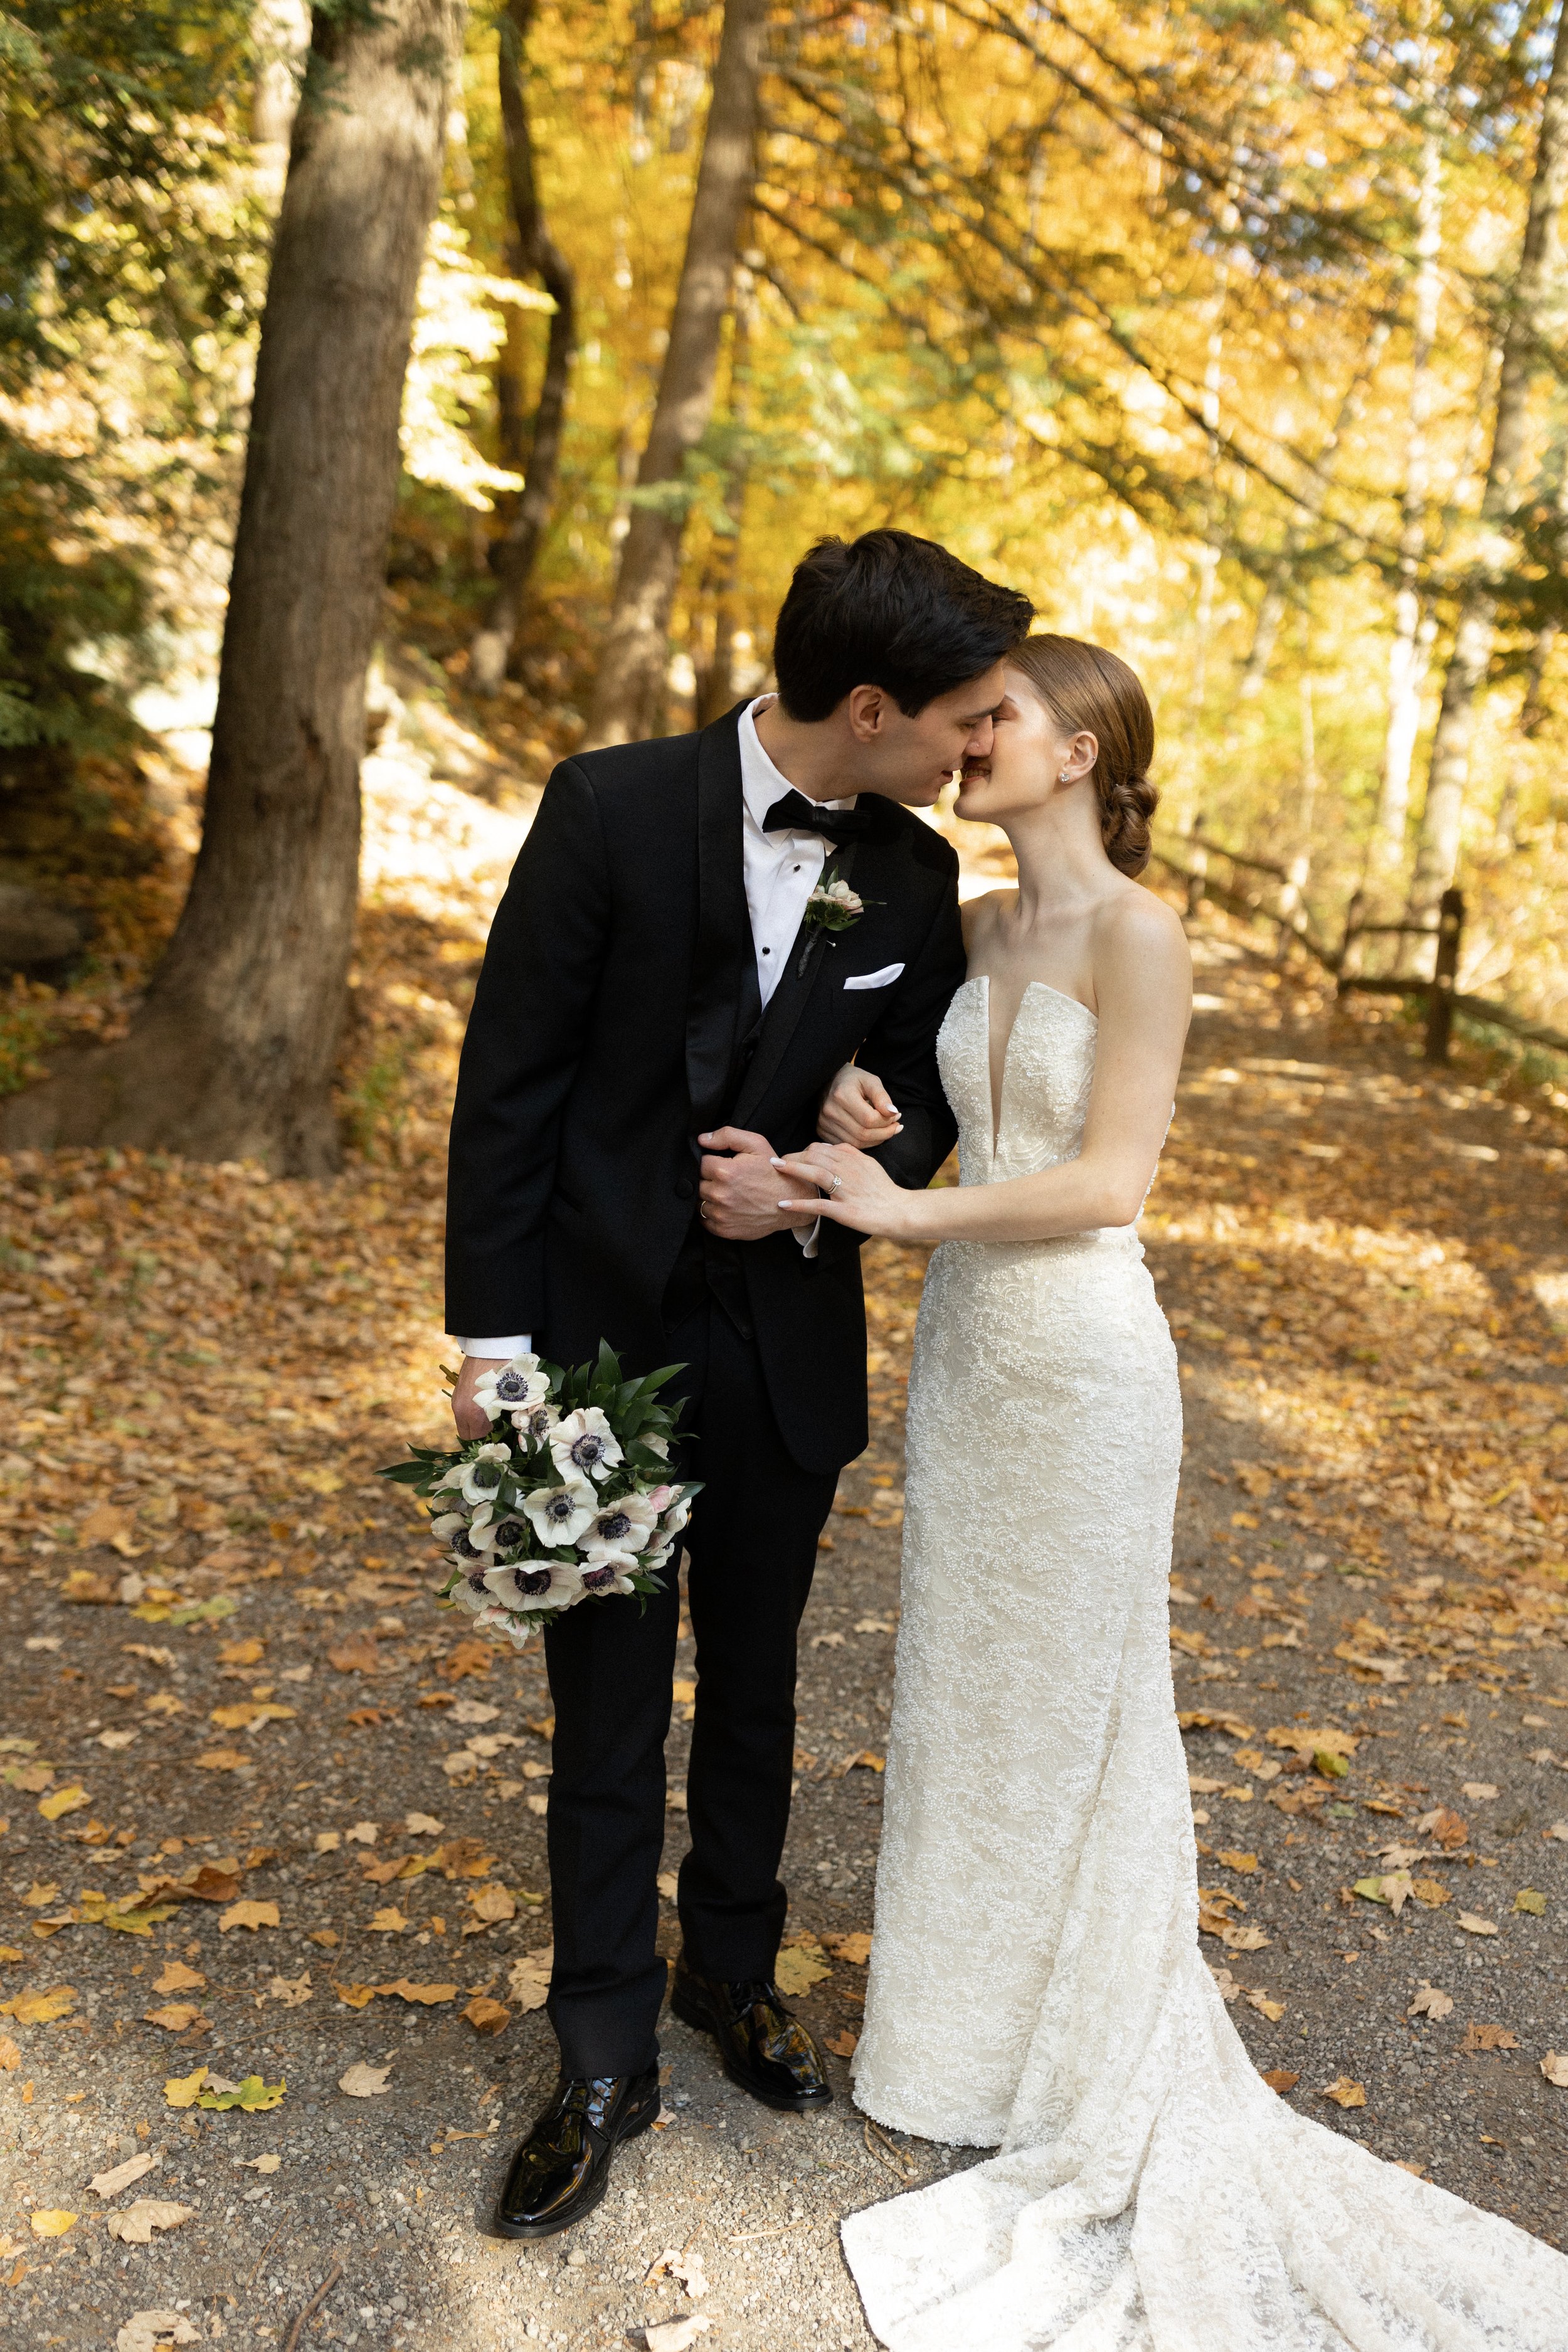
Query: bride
(1036, 1983)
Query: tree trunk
(514, 554)
(232, 1053)
(1438, 857)
(1414, 626)
(279, 35)
(634, 654)
(716, 682)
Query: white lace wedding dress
(1035, 1981)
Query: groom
(658, 1016)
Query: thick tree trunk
(232, 1053)
(634, 658)
(1414, 624)
(1438, 857)
(514, 554)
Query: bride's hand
(856, 1110)
(855, 1190)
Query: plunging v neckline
(996, 1095)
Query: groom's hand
(472, 1420)
(739, 1195)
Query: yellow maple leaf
(53, 2222)
(63, 1801)
(183, 2090)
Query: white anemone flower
(674, 1518)
(534, 1584)
(513, 1388)
(473, 1593)
(659, 1445)
(483, 1472)
(618, 1527)
(536, 1424)
(448, 1524)
(561, 1514)
(612, 1572)
(585, 1445)
(497, 1531)
(654, 1560)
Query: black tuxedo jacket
(609, 1029)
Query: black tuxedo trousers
(751, 1548)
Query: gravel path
(1338, 1390)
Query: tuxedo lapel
(723, 950)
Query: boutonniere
(833, 905)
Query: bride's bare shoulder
(980, 916)
(1137, 935)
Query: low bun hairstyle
(1085, 687)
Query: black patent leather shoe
(763, 2049)
(563, 2168)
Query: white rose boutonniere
(833, 905)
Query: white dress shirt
(781, 870)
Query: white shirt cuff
(808, 1241)
(516, 1346)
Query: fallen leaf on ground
(668, 1884)
(491, 1903)
(328, 1841)
(357, 1656)
(135, 2225)
(62, 1801)
(1447, 1827)
(1408, 2163)
(843, 2043)
(241, 1653)
(150, 2331)
(1558, 1829)
(53, 2221)
(1345, 2093)
(1474, 1924)
(362, 2080)
(248, 1913)
(222, 1760)
(426, 1995)
(40, 2008)
(183, 2090)
(255, 2096)
(1431, 1892)
(41, 1894)
(1430, 2002)
(291, 1991)
(1530, 1899)
(10, 2056)
(528, 1986)
(856, 1946)
(134, 2168)
(178, 1977)
(363, 1834)
(1489, 2037)
(1480, 1792)
(269, 2163)
(1556, 2069)
(1281, 2079)
(175, 2016)
(1234, 1861)
(800, 1966)
(1306, 1741)
(676, 2335)
(388, 1921)
(1259, 2001)
(487, 2016)
(422, 1825)
(1244, 1939)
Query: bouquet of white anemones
(569, 1499)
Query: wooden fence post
(1445, 976)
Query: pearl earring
(1061, 776)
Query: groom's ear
(866, 709)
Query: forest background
(1232, 333)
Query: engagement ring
(835, 1183)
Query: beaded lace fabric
(1036, 1982)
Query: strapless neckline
(996, 1098)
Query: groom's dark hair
(889, 610)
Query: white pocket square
(883, 978)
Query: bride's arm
(1142, 977)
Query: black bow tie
(795, 813)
